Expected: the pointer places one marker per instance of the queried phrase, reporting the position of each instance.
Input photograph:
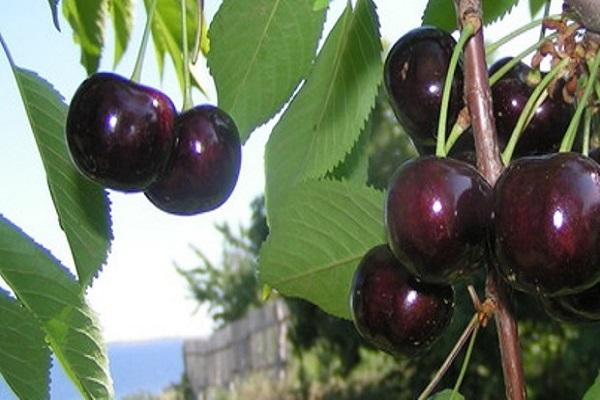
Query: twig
(479, 102)
(451, 356)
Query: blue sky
(138, 295)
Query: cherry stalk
(478, 98)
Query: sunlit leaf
(122, 18)
(82, 206)
(447, 395)
(318, 238)
(326, 117)
(167, 33)
(87, 20)
(24, 354)
(593, 393)
(257, 65)
(49, 292)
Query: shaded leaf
(47, 289)
(355, 167)
(257, 65)
(82, 206)
(593, 393)
(318, 238)
(54, 9)
(326, 117)
(167, 35)
(87, 20)
(535, 6)
(441, 13)
(24, 354)
(122, 18)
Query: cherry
(120, 133)
(547, 223)
(519, 71)
(204, 166)
(394, 311)
(579, 307)
(545, 131)
(414, 74)
(438, 215)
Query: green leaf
(87, 20)
(446, 395)
(355, 167)
(24, 355)
(593, 393)
(441, 13)
(47, 289)
(167, 35)
(327, 115)
(318, 238)
(320, 4)
(82, 206)
(257, 65)
(54, 9)
(535, 6)
(122, 17)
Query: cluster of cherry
(539, 225)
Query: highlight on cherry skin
(120, 133)
(204, 167)
(438, 216)
(547, 223)
(414, 75)
(392, 310)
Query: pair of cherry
(129, 137)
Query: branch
(479, 103)
(588, 12)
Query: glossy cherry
(438, 215)
(414, 74)
(392, 310)
(120, 133)
(204, 166)
(546, 129)
(547, 223)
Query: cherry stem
(569, 138)
(479, 102)
(199, 32)
(471, 326)
(137, 69)
(528, 109)
(465, 364)
(587, 123)
(474, 297)
(458, 129)
(187, 86)
(466, 33)
(494, 46)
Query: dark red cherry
(519, 71)
(120, 133)
(392, 310)
(546, 129)
(578, 307)
(414, 74)
(204, 166)
(438, 215)
(547, 223)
